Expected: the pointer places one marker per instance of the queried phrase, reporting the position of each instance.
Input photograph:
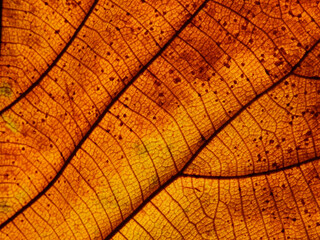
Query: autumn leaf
(166, 119)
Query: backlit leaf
(166, 119)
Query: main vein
(106, 110)
(207, 141)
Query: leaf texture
(160, 119)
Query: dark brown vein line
(99, 119)
(264, 173)
(45, 73)
(307, 77)
(180, 173)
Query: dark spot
(278, 63)
(308, 133)
(157, 83)
(259, 157)
(227, 65)
(176, 80)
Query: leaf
(159, 119)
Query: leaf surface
(159, 119)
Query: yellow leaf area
(160, 120)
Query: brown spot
(278, 63)
(157, 83)
(176, 80)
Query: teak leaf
(151, 119)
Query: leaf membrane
(134, 109)
(278, 130)
(279, 205)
